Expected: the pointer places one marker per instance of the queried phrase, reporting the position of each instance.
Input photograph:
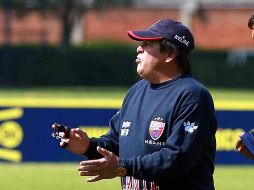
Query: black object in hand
(60, 128)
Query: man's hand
(104, 168)
(76, 141)
(242, 148)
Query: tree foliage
(68, 11)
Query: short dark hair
(251, 21)
(182, 59)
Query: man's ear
(171, 55)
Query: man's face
(150, 61)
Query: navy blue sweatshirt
(164, 135)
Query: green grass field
(112, 92)
(52, 176)
(108, 97)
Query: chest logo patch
(156, 128)
(125, 128)
(189, 127)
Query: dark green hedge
(213, 69)
(109, 64)
(26, 66)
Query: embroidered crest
(156, 128)
(125, 128)
(189, 127)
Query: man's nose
(140, 49)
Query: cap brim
(141, 35)
(248, 139)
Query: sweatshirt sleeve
(109, 141)
(193, 129)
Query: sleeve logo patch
(189, 127)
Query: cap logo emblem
(182, 40)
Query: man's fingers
(247, 153)
(62, 134)
(88, 173)
(239, 144)
(90, 168)
(64, 142)
(91, 162)
(54, 126)
(103, 168)
(93, 179)
(103, 151)
(241, 148)
(78, 131)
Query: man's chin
(140, 74)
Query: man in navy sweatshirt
(245, 142)
(163, 137)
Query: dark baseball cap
(170, 30)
